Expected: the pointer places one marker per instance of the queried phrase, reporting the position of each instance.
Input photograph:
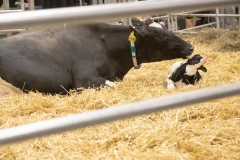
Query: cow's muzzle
(191, 49)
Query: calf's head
(197, 61)
(155, 43)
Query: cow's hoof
(109, 83)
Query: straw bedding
(204, 131)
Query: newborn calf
(185, 73)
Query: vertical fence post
(168, 21)
(233, 19)
(6, 4)
(222, 18)
(6, 7)
(94, 2)
(31, 5)
(239, 17)
(100, 1)
(22, 5)
(217, 18)
(126, 21)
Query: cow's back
(40, 59)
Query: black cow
(59, 59)
(186, 73)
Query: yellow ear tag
(132, 38)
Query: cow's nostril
(191, 49)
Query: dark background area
(49, 3)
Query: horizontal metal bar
(91, 118)
(193, 11)
(12, 30)
(90, 14)
(166, 16)
(9, 11)
(161, 17)
(206, 15)
(196, 27)
(184, 32)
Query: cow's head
(155, 43)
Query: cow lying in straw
(186, 73)
(59, 59)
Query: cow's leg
(92, 82)
(109, 83)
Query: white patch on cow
(162, 23)
(175, 66)
(109, 83)
(192, 69)
(169, 82)
(157, 25)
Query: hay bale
(219, 39)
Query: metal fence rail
(90, 14)
(86, 119)
(207, 15)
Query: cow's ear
(148, 21)
(203, 69)
(142, 31)
(136, 22)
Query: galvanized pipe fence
(98, 13)
(216, 15)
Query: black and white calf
(186, 73)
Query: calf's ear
(203, 69)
